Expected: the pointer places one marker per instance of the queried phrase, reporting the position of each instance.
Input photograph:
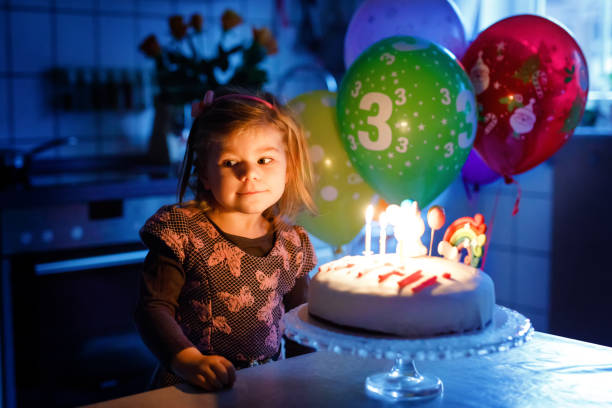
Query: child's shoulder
(295, 234)
(176, 215)
(173, 228)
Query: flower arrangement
(182, 72)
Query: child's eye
(264, 160)
(228, 163)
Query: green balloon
(407, 118)
(341, 195)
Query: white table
(548, 371)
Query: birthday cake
(409, 293)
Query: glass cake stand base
(403, 382)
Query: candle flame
(393, 214)
(369, 214)
(382, 218)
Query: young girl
(223, 268)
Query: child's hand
(209, 372)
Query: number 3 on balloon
(385, 108)
(355, 91)
(464, 98)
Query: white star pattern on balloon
(391, 95)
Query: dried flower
(197, 22)
(178, 28)
(264, 37)
(150, 47)
(230, 19)
(182, 70)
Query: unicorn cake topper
(409, 230)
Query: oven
(69, 288)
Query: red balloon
(531, 84)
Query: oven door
(69, 323)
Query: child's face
(247, 172)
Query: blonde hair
(236, 113)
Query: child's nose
(249, 171)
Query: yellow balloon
(341, 194)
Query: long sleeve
(161, 283)
(297, 296)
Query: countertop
(82, 180)
(547, 371)
(79, 192)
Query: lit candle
(369, 214)
(394, 216)
(382, 221)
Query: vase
(170, 131)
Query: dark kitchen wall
(97, 40)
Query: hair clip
(250, 97)
(198, 107)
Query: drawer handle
(92, 262)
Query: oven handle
(92, 262)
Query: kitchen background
(71, 73)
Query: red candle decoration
(410, 279)
(431, 281)
(383, 277)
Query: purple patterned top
(231, 302)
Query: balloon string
(519, 192)
(466, 186)
(490, 227)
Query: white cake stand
(403, 382)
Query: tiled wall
(520, 247)
(36, 35)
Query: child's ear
(204, 181)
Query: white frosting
(349, 292)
